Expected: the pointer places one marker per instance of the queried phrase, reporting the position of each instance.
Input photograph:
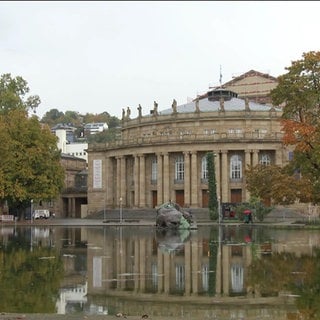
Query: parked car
(41, 214)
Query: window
(154, 171)
(235, 132)
(205, 277)
(179, 166)
(265, 159)
(180, 275)
(204, 169)
(260, 133)
(237, 278)
(154, 275)
(235, 167)
(209, 131)
(290, 156)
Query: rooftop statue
(174, 106)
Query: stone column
(194, 180)
(159, 179)
(255, 157)
(247, 161)
(166, 178)
(218, 172)
(187, 179)
(123, 181)
(110, 186)
(142, 181)
(224, 177)
(278, 157)
(69, 215)
(118, 180)
(74, 207)
(136, 181)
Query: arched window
(265, 159)
(235, 167)
(179, 166)
(154, 168)
(204, 168)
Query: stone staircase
(144, 214)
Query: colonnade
(133, 186)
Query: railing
(189, 138)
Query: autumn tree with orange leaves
(298, 91)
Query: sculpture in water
(170, 215)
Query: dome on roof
(218, 93)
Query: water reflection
(226, 272)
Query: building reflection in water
(200, 273)
(172, 262)
(175, 271)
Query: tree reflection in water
(286, 272)
(30, 276)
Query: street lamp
(219, 209)
(104, 207)
(31, 210)
(120, 209)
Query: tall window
(237, 278)
(154, 275)
(235, 167)
(205, 277)
(204, 169)
(179, 165)
(180, 277)
(154, 169)
(265, 159)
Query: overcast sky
(96, 56)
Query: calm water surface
(226, 272)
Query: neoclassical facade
(161, 156)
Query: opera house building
(161, 155)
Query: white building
(95, 127)
(76, 149)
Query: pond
(214, 272)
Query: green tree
(299, 92)
(108, 135)
(30, 166)
(13, 94)
(276, 184)
(113, 122)
(52, 117)
(212, 185)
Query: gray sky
(96, 56)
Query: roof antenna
(220, 79)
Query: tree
(30, 165)
(12, 94)
(52, 117)
(271, 182)
(108, 135)
(299, 92)
(113, 122)
(212, 185)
